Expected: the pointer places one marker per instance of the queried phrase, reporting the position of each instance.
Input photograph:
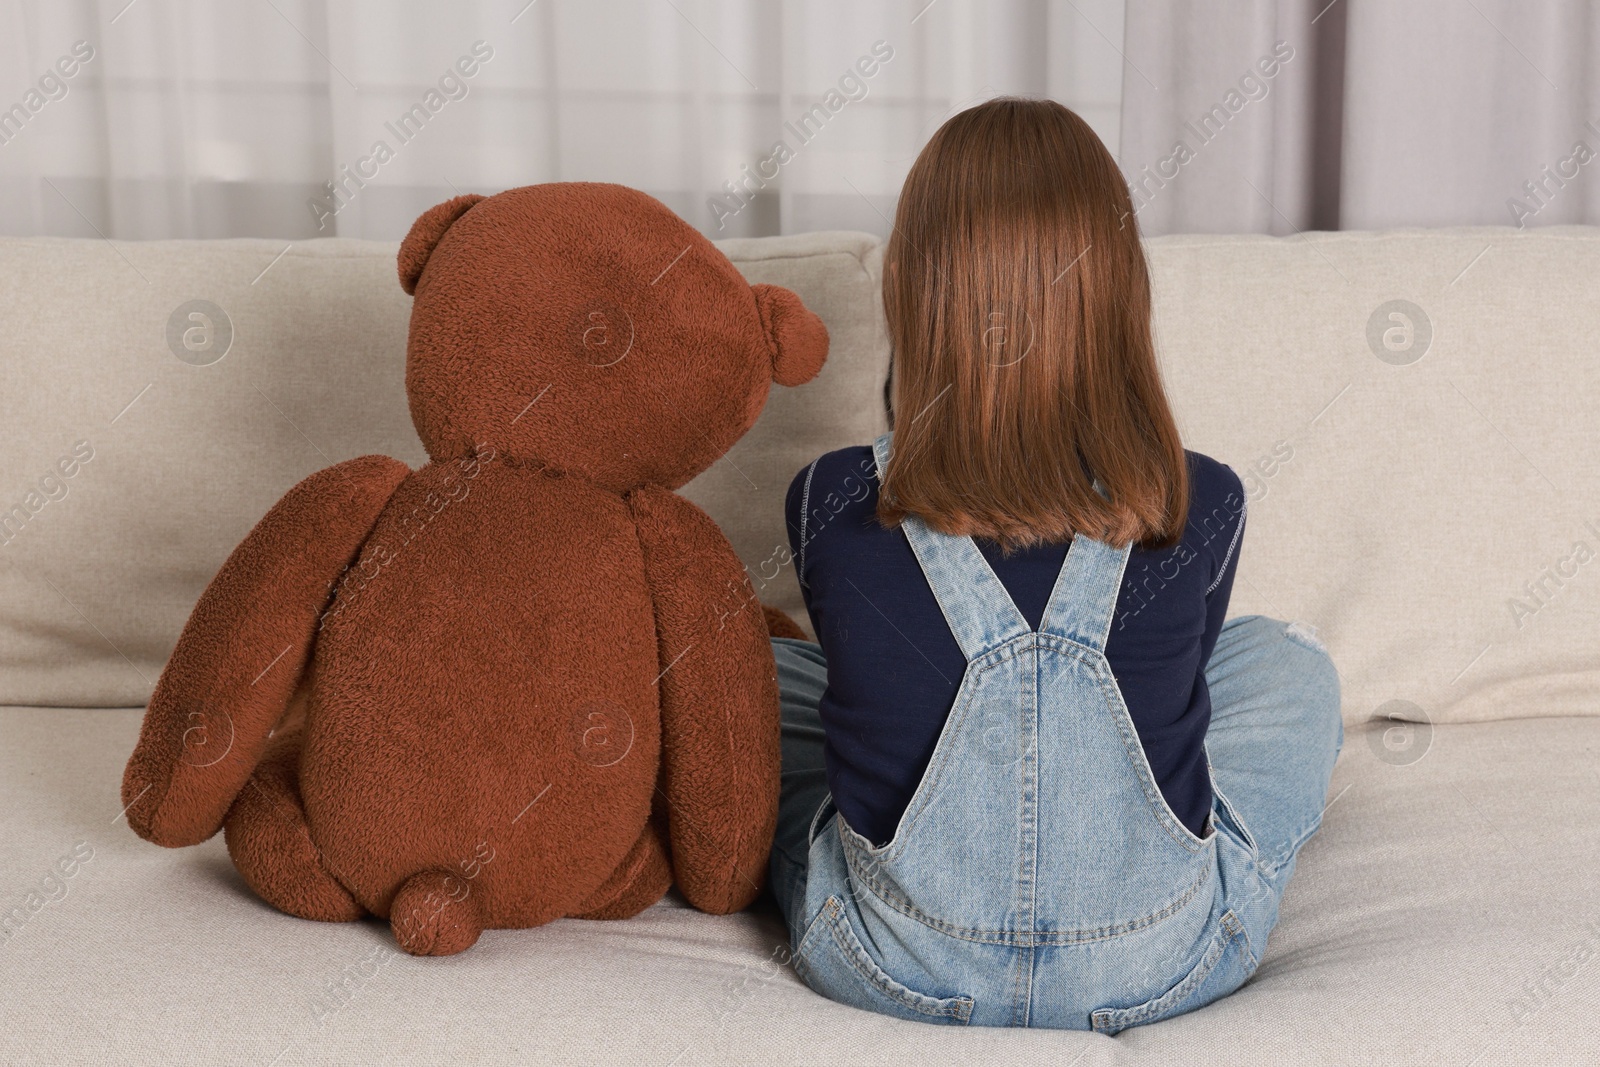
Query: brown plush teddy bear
(506, 687)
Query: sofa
(1414, 416)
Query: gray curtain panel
(1277, 116)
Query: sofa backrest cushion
(186, 385)
(1413, 414)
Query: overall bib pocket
(832, 961)
(1227, 963)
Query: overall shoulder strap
(976, 605)
(1084, 600)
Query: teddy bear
(504, 688)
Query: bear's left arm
(719, 704)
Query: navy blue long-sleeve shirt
(894, 667)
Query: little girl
(1030, 775)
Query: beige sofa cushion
(181, 449)
(1445, 914)
(1429, 489)
(838, 275)
(1436, 517)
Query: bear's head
(588, 328)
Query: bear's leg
(643, 876)
(434, 914)
(271, 844)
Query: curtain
(299, 118)
(1218, 115)
(303, 118)
(1480, 112)
(1378, 114)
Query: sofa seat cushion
(1444, 914)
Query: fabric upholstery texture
(187, 456)
(1444, 912)
(1433, 519)
(1412, 413)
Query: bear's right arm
(242, 652)
(718, 691)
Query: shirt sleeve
(794, 510)
(1221, 588)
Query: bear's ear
(797, 337)
(425, 234)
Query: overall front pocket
(832, 961)
(1227, 964)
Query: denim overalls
(1037, 877)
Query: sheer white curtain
(191, 118)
